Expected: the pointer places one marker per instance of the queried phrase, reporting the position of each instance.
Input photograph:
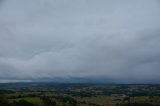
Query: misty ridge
(105, 41)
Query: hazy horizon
(106, 41)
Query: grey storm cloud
(110, 40)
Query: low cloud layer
(106, 40)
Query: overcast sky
(106, 40)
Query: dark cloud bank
(80, 41)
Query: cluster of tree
(47, 101)
(21, 103)
(136, 104)
(68, 100)
(6, 91)
(5, 102)
(81, 93)
(93, 104)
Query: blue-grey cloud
(80, 39)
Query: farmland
(79, 94)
